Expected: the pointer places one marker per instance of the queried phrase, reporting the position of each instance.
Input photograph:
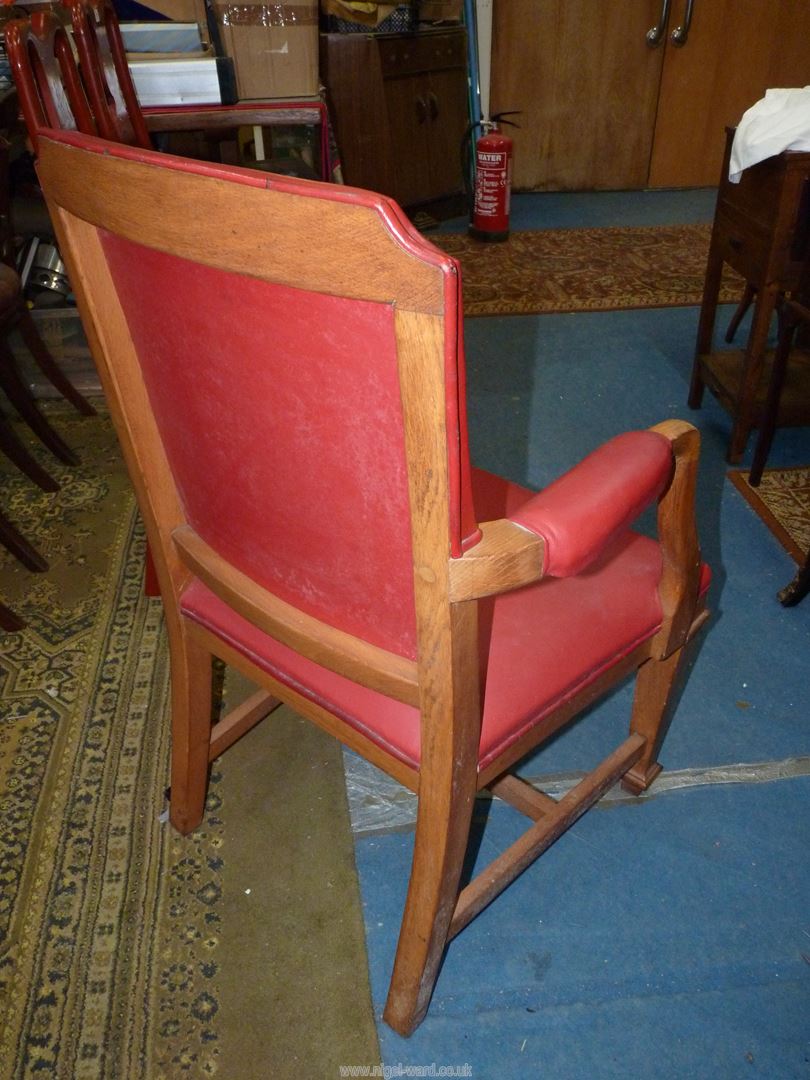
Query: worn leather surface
(284, 434)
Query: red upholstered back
(280, 413)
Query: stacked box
(274, 48)
(440, 11)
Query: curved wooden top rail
(203, 218)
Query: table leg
(753, 362)
(708, 314)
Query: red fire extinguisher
(493, 181)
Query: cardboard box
(448, 11)
(179, 10)
(274, 48)
(182, 81)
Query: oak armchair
(284, 364)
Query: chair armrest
(580, 513)
(565, 527)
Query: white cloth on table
(779, 121)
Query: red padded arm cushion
(583, 510)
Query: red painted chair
(284, 365)
(50, 90)
(105, 71)
(98, 96)
(114, 99)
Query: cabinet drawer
(742, 244)
(426, 52)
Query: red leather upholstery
(578, 514)
(546, 642)
(326, 493)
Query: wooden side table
(761, 229)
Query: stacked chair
(284, 364)
(89, 86)
(15, 316)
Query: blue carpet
(596, 209)
(546, 390)
(667, 939)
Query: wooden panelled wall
(601, 109)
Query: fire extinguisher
(493, 180)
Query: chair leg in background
(9, 621)
(23, 401)
(13, 540)
(17, 453)
(48, 366)
(798, 588)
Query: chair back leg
(192, 674)
(442, 833)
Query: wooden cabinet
(603, 109)
(399, 106)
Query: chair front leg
(652, 713)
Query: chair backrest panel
(309, 277)
(104, 65)
(47, 78)
(280, 413)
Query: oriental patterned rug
(566, 270)
(125, 949)
(782, 501)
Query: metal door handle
(680, 34)
(421, 109)
(655, 35)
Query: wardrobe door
(585, 79)
(734, 51)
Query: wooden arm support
(677, 532)
(506, 557)
(562, 529)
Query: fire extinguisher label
(492, 183)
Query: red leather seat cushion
(540, 644)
